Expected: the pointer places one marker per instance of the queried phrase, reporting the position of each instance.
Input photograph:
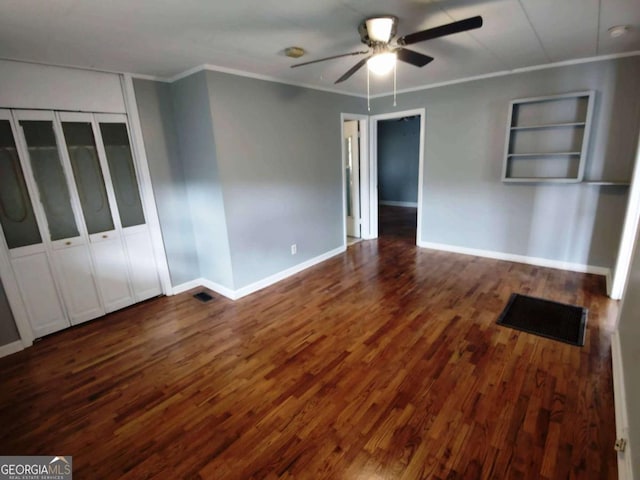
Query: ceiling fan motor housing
(365, 36)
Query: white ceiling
(166, 37)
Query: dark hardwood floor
(397, 222)
(382, 363)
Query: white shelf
(551, 154)
(540, 180)
(607, 183)
(547, 139)
(549, 125)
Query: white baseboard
(510, 257)
(11, 348)
(183, 287)
(203, 282)
(393, 203)
(260, 284)
(265, 282)
(625, 466)
(218, 288)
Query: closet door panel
(22, 239)
(142, 265)
(111, 270)
(144, 273)
(98, 207)
(37, 288)
(76, 280)
(87, 173)
(115, 138)
(72, 265)
(16, 211)
(49, 176)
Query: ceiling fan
(378, 32)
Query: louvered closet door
(69, 250)
(23, 241)
(99, 209)
(114, 138)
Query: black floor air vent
(203, 297)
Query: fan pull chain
(368, 95)
(395, 70)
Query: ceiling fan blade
(353, 70)
(329, 58)
(414, 58)
(441, 31)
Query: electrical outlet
(294, 249)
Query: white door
(88, 165)
(111, 269)
(73, 228)
(130, 217)
(144, 276)
(352, 175)
(21, 238)
(73, 263)
(38, 291)
(69, 251)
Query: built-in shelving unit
(547, 138)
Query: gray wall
(278, 149)
(204, 188)
(256, 166)
(8, 331)
(465, 203)
(161, 145)
(629, 329)
(398, 158)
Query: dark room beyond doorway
(398, 166)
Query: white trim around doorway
(365, 195)
(373, 167)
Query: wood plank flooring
(382, 363)
(397, 222)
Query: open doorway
(355, 191)
(398, 165)
(397, 141)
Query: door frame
(363, 128)
(630, 227)
(373, 167)
(141, 163)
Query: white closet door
(98, 206)
(73, 263)
(69, 250)
(144, 272)
(37, 288)
(111, 267)
(142, 266)
(20, 236)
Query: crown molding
(153, 78)
(269, 78)
(61, 65)
(257, 76)
(515, 71)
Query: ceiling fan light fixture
(379, 29)
(382, 63)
